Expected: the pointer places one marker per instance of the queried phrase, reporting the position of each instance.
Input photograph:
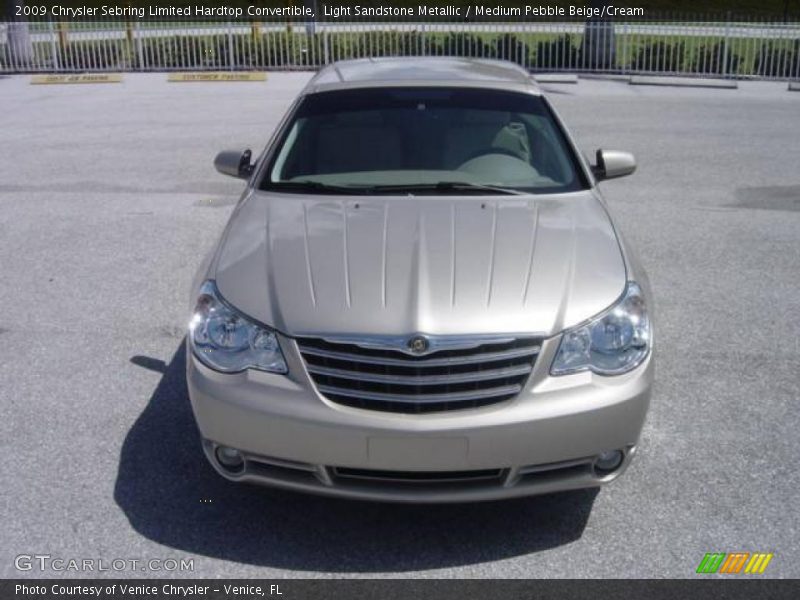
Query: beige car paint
(340, 267)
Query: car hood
(442, 265)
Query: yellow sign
(216, 76)
(82, 78)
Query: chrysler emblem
(417, 344)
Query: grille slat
(412, 361)
(486, 375)
(506, 390)
(387, 379)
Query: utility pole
(598, 47)
(19, 37)
(311, 26)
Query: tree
(19, 37)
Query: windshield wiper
(316, 187)
(441, 186)
(445, 186)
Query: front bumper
(544, 440)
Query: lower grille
(419, 477)
(394, 381)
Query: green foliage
(659, 56)
(466, 44)
(223, 51)
(715, 60)
(560, 53)
(773, 61)
(393, 43)
(509, 47)
(89, 55)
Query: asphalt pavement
(109, 200)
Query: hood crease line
(492, 254)
(534, 231)
(309, 272)
(452, 253)
(346, 255)
(569, 281)
(383, 255)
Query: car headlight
(226, 341)
(612, 343)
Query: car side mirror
(235, 163)
(613, 163)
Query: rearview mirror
(613, 163)
(235, 163)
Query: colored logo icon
(734, 563)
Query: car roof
(431, 71)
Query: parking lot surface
(108, 202)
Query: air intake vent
(420, 477)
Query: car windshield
(423, 140)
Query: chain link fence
(736, 49)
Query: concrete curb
(794, 86)
(698, 82)
(556, 78)
(602, 77)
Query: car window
(395, 137)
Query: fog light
(229, 458)
(608, 461)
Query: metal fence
(736, 49)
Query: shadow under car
(172, 496)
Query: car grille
(393, 381)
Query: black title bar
(416, 11)
(735, 588)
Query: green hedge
(778, 62)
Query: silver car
(421, 296)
